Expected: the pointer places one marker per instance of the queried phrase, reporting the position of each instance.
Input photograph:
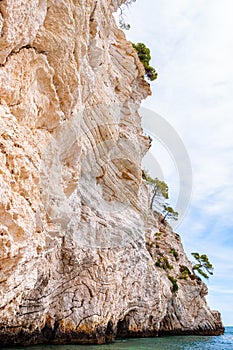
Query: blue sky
(191, 44)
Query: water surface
(222, 342)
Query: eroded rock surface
(78, 243)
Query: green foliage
(147, 177)
(185, 272)
(145, 57)
(174, 253)
(169, 213)
(158, 234)
(175, 286)
(159, 188)
(163, 263)
(184, 275)
(151, 73)
(143, 53)
(203, 267)
(159, 191)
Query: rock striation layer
(82, 258)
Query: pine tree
(204, 267)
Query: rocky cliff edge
(79, 246)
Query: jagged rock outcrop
(78, 243)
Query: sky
(191, 43)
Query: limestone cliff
(79, 246)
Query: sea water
(222, 342)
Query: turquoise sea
(222, 342)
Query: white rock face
(78, 243)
